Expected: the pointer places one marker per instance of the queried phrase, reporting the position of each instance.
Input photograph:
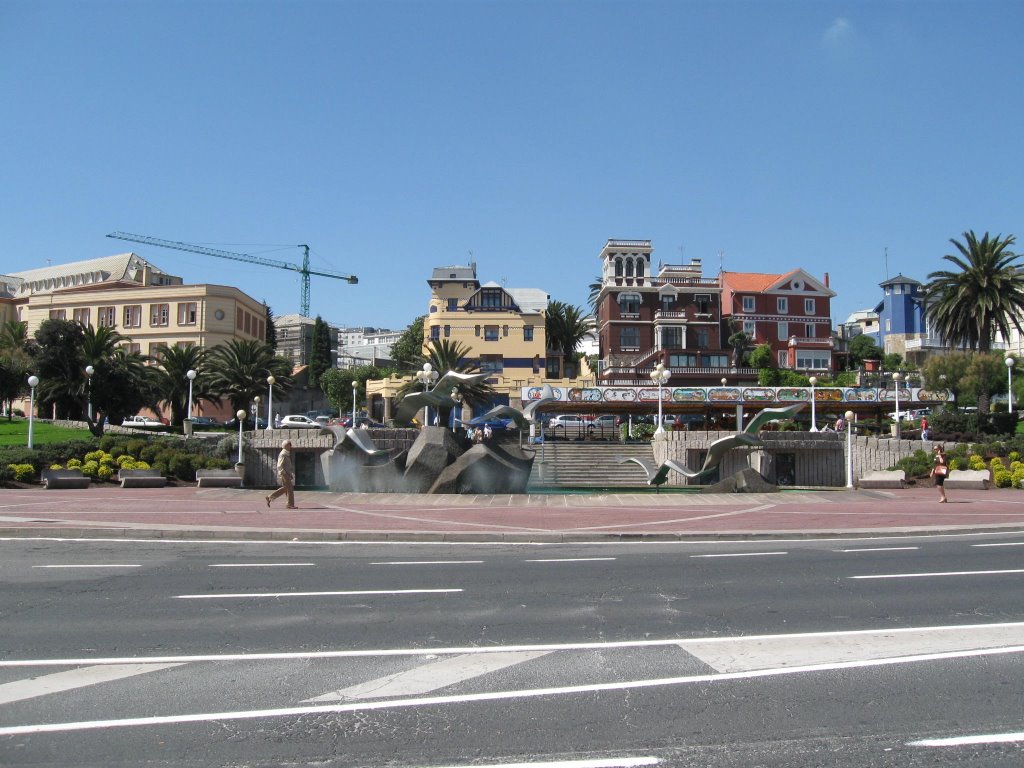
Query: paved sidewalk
(189, 512)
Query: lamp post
(89, 371)
(458, 398)
(355, 394)
(426, 377)
(1009, 382)
(814, 418)
(191, 376)
(256, 412)
(896, 380)
(660, 376)
(240, 415)
(33, 382)
(849, 449)
(270, 401)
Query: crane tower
(303, 269)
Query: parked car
(260, 423)
(143, 422)
(492, 423)
(204, 421)
(565, 421)
(604, 421)
(296, 421)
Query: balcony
(662, 314)
(796, 341)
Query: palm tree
(594, 294)
(15, 360)
(565, 326)
(445, 355)
(173, 383)
(987, 295)
(238, 371)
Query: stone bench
(141, 478)
(218, 478)
(55, 479)
(896, 478)
(969, 479)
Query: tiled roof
(122, 267)
(529, 299)
(749, 281)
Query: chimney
(826, 279)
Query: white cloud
(839, 31)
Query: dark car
(492, 423)
(204, 421)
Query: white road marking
(615, 762)
(318, 594)
(451, 651)
(98, 565)
(1002, 544)
(742, 655)
(957, 741)
(261, 565)
(743, 554)
(19, 690)
(428, 562)
(938, 573)
(876, 549)
(366, 706)
(568, 559)
(430, 677)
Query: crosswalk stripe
(19, 690)
(431, 677)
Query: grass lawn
(15, 432)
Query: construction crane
(302, 269)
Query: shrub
(136, 447)
(180, 465)
(1014, 456)
(91, 468)
(94, 456)
(215, 463)
(916, 465)
(23, 473)
(123, 460)
(56, 466)
(976, 462)
(107, 442)
(105, 472)
(74, 463)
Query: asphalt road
(832, 652)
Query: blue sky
(393, 137)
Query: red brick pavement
(225, 513)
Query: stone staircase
(572, 464)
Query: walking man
(285, 475)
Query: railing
(795, 341)
(661, 314)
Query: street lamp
(33, 382)
(896, 380)
(256, 412)
(355, 393)
(240, 415)
(660, 376)
(89, 371)
(1009, 382)
(191, 376)
(849, 449)
(814, 420)
(426, 377)
(270, 401)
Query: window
(435, 333)
(490, 333)
(748, 303)
(629, 267)
(888, 325)
(809, 308)
(783, 358)
(783, 331)
(629, 338)
(750, 328)
(504, 331)
(238, 321)
(809, 330)
(184, 344)
(447, 331)
(629, 303)
(81, 316)
(782, 302)
(160, 314)
(132, 348)
(813, 360)
(667, 302)
(716, 361)
(476, 330)
(703, 338)
(453, 304)
(133, 316)
(618, 267)
(527, 333)
(492, 364)
(187, 313)
(106, 316)
(640, 268)
(671, 338)
(492, 298)
(58, 314)
(682, 361)
(703, 302)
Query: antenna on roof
(721, 261)
(472, 263)
(887, 263)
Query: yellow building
(140, 301)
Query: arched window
(618, 267)
(640, 268)
(629, 267)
